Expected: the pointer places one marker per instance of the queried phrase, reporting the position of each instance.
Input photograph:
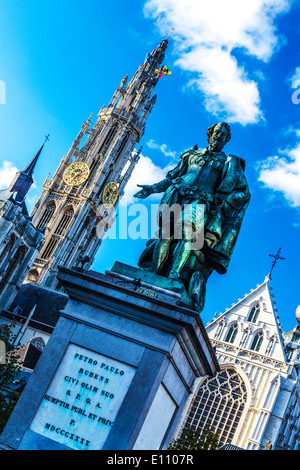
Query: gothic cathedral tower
(74, 200)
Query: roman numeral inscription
(80, 406)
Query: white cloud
(7, 173)
(207, 33)
(163, 148)
(282, 173)
(145, 172)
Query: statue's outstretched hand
(145, 192)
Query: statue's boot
(160, 253)
(180, 257)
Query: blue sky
(237, 61)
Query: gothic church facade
(255, 396)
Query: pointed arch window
(39, 343)
(49, 248)
(13, 265)
(219, 403)
(108, 139)
(8, 248)
(254, 312)
(270, 345)
(219, 329)
(122, 146)
(244, 338)
(64, 222)
(59, 230)
(47, 215)
(257, 341)
(231, 335)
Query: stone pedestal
(118, 368)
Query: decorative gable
(251, 324)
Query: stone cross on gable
(276, 257)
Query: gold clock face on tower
(76, 174)
(110, 194)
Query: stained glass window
(219, 404)
(256, 343)
(231, 335)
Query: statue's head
(218, 135)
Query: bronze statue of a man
(218, 183)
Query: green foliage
(202, 439)
(9, 373)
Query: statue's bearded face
(218, 138)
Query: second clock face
(76, 174)
(110, 194)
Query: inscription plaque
(83, 399)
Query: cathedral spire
(24, 179)
(102, 157)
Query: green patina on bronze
(217, 181)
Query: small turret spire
(23, 180)
(31, 166)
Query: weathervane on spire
(172, 29)
(276, 257)
(46, 138)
